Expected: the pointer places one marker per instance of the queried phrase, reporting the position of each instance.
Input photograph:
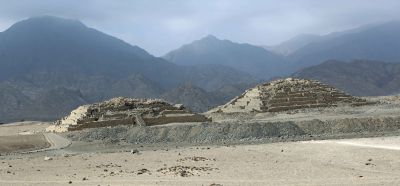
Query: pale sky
(159, 26)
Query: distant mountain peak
(210, 37)
(46, 22)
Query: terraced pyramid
(125, 111)
(289, 94)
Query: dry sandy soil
(370, 161)
(22, 137)
(22, 143)
(23, 128)
(361, 161)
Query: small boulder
(46, 158)
(134, 151)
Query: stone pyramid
(289, 94)
(125, 111)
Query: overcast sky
(162, 25)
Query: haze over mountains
(374, 42)
(46, 59)
(288, 47)
(50, 65)
(360, 77)
(245, 57)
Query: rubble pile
(125, 111)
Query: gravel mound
(225, 132)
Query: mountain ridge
(359, 77)
(245, 57)
(55, 56)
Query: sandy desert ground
(369, 161)
(23, 128)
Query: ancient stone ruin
(289, 94)
(125, 111)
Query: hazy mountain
(288, 47)
(47, 104)
(248, 58)
(50, 65)
(211, 77)
(361, 77)
(200, 100)
(193, 97)
(373, 42)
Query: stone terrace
(289, 94)
(125, 111)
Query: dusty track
(56, 142)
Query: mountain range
(373, 42)
(248, 58)
(50, 65)
(360, 77)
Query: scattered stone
(48, 158)
(134, 151)
(70, 182)
(142, 171)
(195, 158)
(185, 171)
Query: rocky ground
(318, 123)
(278, 149)
(334, 162)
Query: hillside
(248, 58)
(292, 45)
(361, 77)
(49, 65)
(373, 42)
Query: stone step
(290, 103)
(286, 108)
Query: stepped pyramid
(125, 111)
(289, 94)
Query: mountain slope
(73, 64)
(290, 46)
(244, 57)
(201, 100)
(374, 42)
(361, 78)
(193, 97)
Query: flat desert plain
(362, 161)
